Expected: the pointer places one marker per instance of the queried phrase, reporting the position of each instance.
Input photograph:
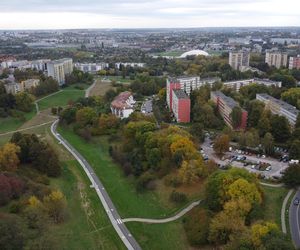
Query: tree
(24, 101)
(260, 230)
(268, 144)
(11, 233)
(190, 172)
(236, 116)
(294, 151)
(9, 160)
(291, 176)
(292, 96)
(297, 125)
(86, 116)
(264, 124)
(221, 144)
(280, 128)
(255, 111)
(56, 206)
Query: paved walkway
(166, 220)
(283, 209)
(272, 185)
(88, 90)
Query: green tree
(264, 124)
(294, 151)
(24, 101)
(291, 176)
(255, 111)
(292, 96)
(268, 144)
(280, 128)
(86, 116)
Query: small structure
(123, 105)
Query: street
(107, 203)
(294, 218)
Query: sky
(77, 14)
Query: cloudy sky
(42, 14)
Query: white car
(269, 168)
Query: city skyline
(67, 14)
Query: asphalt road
(107, 203)
(294, 217)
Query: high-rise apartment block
(294, 62)
(277, 59)
(238, 59)
(59, 69)
(181, 106)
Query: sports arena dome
(194, 53)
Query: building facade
(294, 62)
(91, 67)
(59, 69)
(236, 85)
(123, 105)
(225, 106)
(279, 107)
(181, 106)
(238, 59)
(277, 59)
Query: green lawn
(119, 79)
(128, 202)
(13, 123)
(87, 228)
(174, 53)
(61, 98)
(273, 202)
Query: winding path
(166, 220)
(88, 90)
(272, 185)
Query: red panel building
(171, 85)
(181, 106)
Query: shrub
(177, 197)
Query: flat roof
(284, 105)
(228, 100)
(180, 94)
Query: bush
(178, 197)
(143, 181)
(173, 181)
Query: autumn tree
(221, 144)
(24, 101)
(260, 230)
(56, 206)
(86, 116)
(9, 160)
(191, 171)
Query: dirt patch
(42, 117)
(100, 88)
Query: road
(294, 218)
(107, 203)
(166, 220)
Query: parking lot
(270, 167)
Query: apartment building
(91, 67)
(123, 105)
(294, 62)
(15, 87)
(277, 59)
(59, 69)
(181, 106)
(238, 59)
(279, 107)
(225, 106)
(236, 85)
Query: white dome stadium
(196, 52)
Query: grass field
(61, 98)
(13, 123)
(100, 88)
(129, 202)
(273, 203)
(119, 79)
(174, 53)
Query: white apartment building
(59, 69)
(277, 59)
(123, 105)
(279, 107)
(91, 67)
(236, 85)
(237, 59)
(127, 64)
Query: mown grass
(273, 202)
(13, 123)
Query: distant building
(279, 107)
(30, 84)
(127, 64)
(15, 87)
(123, 105)
(91, 67)
(236, 85)
(225, 106)
(59, 69)
(40, 65)
(181, 106)
(237, 59)
(294, 62)
(277, 59)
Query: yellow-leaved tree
(9, 160)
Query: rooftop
(228, 100)
(284, 105)
(120, 101)
(180, 94)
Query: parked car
(296, 201)
(269, 168)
